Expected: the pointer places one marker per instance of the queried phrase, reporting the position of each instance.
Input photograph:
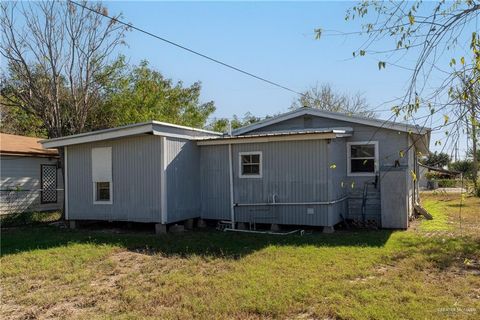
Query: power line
(129, 25)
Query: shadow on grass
(208, 243)
(457, 205)
(29, 218)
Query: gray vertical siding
(300, 172)
(197, 178)
(136, 180)
(390, 144)
(183, 179)
(296, 171)
(338, 183)
(214, 182)
(394, 208)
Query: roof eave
(332, 115)
(124, 131)
(107, 134)
(28, 154)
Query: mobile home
(304, 167)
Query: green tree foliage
(463, 166)
(435, 159)
(222, 124)
(140, 93)
(470, 153)
(16, 120)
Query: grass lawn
(431, 271)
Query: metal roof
(151, 127)
(300, 134)
(333, 115)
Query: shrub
(447, 183)
(431, 175)
(463, 166)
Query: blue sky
(274, 40)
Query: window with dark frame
(250, 164)
(102, 191)
(362, 158)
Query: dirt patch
(125, 262)
(122, 264)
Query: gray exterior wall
(299, 171)
(136, 180)
(183, 179)
(197, 178)
(23, 174)
(337, 177)
(395, 207)
(296, 171)
(214, 182)
(390, 143)
(136, 171)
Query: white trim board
(332, 115)
(260, 169)
(185, 127)
(65, 181)
(349, 163)
(102, 202)
(102, 172)
(163, 182)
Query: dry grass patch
(51, 273)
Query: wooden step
(421, 211)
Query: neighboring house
(304, 167)
(30, 177)
(426, 183)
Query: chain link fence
(20, 201)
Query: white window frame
(349, 159)
(95, 201)
(110, 181)
(247, 153)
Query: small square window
(362, 158)
(102, 193)
(250, 164)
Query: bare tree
(467, 96)
(435, 35)
(427, 30)
(56, 53)
(325, 98)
